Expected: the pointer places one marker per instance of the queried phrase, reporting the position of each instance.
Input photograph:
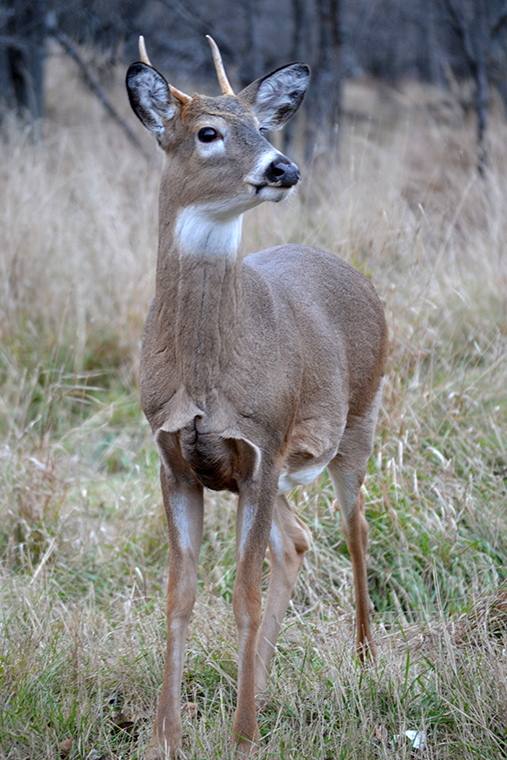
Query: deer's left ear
(276, 97)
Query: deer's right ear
(150, 97)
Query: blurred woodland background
(402, 148)
(439, 42)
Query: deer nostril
(278, 169)
(282, 173)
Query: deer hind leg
(184, 509)
(355, 528)
(347, 471)
(289, 540)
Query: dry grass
(82, 537)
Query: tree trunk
(252, 63)
(25, 56)
(481, 79)
(324, 102)
(297, 54)
(7, 100)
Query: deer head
(216, 146)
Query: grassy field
(83, 550)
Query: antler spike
(178, 94)
(219, 66)
(143, 53)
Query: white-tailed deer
(256, 373)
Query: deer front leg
(255, 510)
(184, 509)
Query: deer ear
(277, 96)
(150, 97)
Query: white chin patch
(273, 194)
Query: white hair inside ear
(277, 96)
(150, 97)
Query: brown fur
(250, 368)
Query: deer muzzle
(282, 173)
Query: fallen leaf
(190, 709)
(122, 723)
(65, 747)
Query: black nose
(282, 173)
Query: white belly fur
(304, 477)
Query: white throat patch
(201, 229)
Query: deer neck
(199, 292)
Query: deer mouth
(274, 177)
(269, 192)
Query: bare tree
(324, 97)
(298, 53)
(477, 23)
(252, 62)
(391, 39)
(22, 42)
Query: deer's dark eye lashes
(207, 134)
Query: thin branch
(14, 41)
(497, 25)
(456, 19)
(72, 50)
(201, 25)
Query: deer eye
(208, 134)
